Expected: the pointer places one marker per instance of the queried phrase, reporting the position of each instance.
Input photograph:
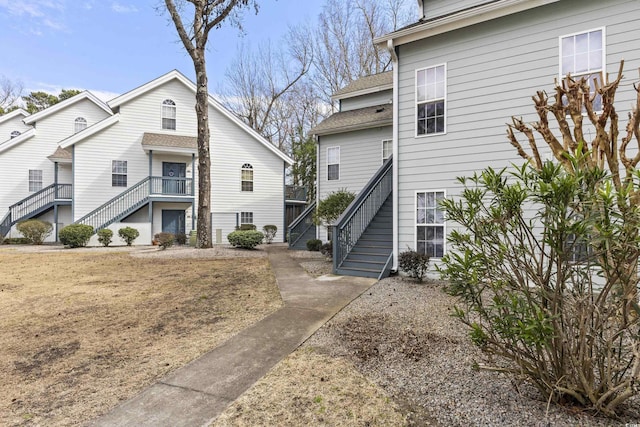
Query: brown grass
(80, 332)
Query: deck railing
(357, 217)
(294, 192)
(301, 224)
(171, 186)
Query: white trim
(78, 137)
(79, 120)
(459, 20)
(382, 153)
(415, 222)
(374, 89)
(175, 115)
(64, 104)
(242, 169)
(165, 149)
(339, 171)
(37, 182)
(416, 102)
(604, 52)
(395, 241)
(14, 113)
(12, 142)
(252, 218)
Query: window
(247, 177)
(246, 218)
(14, 134)
(79, 124)
(387, 149)
(333, 163)
(119, 173)
(35, 179)
(168, 114)
(430, 223)
(430, 100)
(582, 55)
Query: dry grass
(80, 332)
(308, 388)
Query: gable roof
(61, 156)
(94, 128)
(163, 140)
(361, 118)
(364, 85)
(13, 114)
(64, 104)
(176, 75)
(487, 11)
(17, 140)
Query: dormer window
(15, 134)
(168, 114)
(79, 124)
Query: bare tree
(10, 92)
(206, 15)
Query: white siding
(14, 124)
(368, 100)
(493, 70)
(435, 8)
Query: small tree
(331, 207)
(269, 232)
(128, 234)
(105, 236)
(34, 230)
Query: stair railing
(301, 225)
(359, 214)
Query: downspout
(395, 160)
(284, 201)
(317, 139)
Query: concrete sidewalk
(197, 393)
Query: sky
(110, 47)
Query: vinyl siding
(368, 100)
(360, 158)
(435, 8)
(12, 125)
(493, 69)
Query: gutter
(394, 135)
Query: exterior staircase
(35, 204)
(302, 229)
(363, 235)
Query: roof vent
(380, 110)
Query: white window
(246, 177)
(118, 173)
(387, 149)
(246, 218)
(333, 163)
(35, 179)
(168, 114)
(582, 55)
(79, 124)
(430, 224)
(430, 100)
(14, 134)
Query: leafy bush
(331, 207)
(16, 241)
(181, 238)
(105, 236)
(165, 240)
(269, 232)
(246, 227)
(128, 234)
(327, 249)
(34, 230)
(246, 239)
(414, 264)
(75, 235)
(314, 245)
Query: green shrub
(105, 236)
(165, 240)
(128, 234)
(314, 245)
(246, 239)
(181, 238)
(269, 232)
(331, 207)
(75, 235)
(16, 241)
(246, 227)
(34, 230)
(414, 264)
(327, 249)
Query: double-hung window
(246, 177)
(430, 100)
(246, 218)
(582, 55)
(387, 149)
(168, 114)
(430, 224)
(35, 180)
(333, 163)
(79, 124)
(118, 173)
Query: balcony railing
(296, 193)
(171, 186)
(301, 225)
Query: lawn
(82, 331)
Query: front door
(173, 221)
(173, 178)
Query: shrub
(1, 239)
(269, 232)
(314, 245)
(128, 234)
(246, 239)
(75, 235)
(105, 236)
(414, 264)
(246, 227)
(16, 241)
(331, 207)
(181, 238)
(165, 240)
(34, 230)
(327, 249)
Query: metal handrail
(359, 214)
(171, 186)
(301, 224)
(294, 192)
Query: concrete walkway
(197, 393)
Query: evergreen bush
(245, 239)
(128, 234)
(105, 236)
(75, 235)
(34, 230)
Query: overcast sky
(110, 47)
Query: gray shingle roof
(164, 140)
(60, 154)
(362, 118)
(368, 82)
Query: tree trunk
(204, 161)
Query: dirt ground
(82, 331)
